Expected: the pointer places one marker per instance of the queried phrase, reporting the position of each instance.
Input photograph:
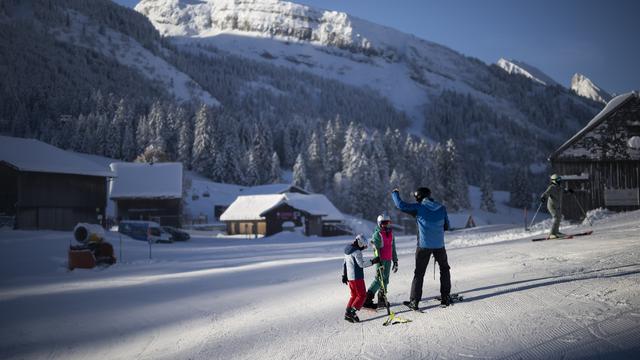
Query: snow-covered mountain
(584, 87)
(408, 70)
(526, 70)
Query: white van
(144, 230)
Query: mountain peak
(526, 70)
(259, 18)
(584, 87)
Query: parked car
(176, 234)
(144, 230)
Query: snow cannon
(88, 233)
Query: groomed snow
(281, 298)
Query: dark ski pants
(422, 260)
(358, 294)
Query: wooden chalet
(44, 187)
(143, 191)
(602, 161)
(254, 215)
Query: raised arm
(411, 209)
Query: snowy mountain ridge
(424, 80)
(405, 69)
(584, 87)
(526, 70)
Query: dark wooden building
(602, 161)
(143, 191)
(270, 214)
(44, 187)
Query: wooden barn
(143, 191)
(44, 187)
(266, 215)
(602, 161)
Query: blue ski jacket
(431, 217)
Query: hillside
(419, 77)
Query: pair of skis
(568, 236)
(455, 298)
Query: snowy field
(281, 298)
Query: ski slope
(281, 298)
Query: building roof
(146, 181)
(273, 189)
(254, 207)
(36, 156)
(610, 108)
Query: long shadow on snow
(520, 288)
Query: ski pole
(580, 206)
(534, 216)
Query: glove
(395, 267)
(542, 199)
(375, 260)
(345, 280)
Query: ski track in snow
(282, 298)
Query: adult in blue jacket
(432, 221)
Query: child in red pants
(353, 275)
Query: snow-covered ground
(281, 297)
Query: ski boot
(413, 305)
(348, 316)
(354, 316)
(382, 302)
(445, 300)
(368, 303)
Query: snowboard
(568, 236)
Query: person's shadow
(550, 280)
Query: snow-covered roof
(272, 189)
(314, 204)
(143, 180)
(37, 156)
(253, 207)
(611, 106)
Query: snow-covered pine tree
(486, 189)
(275, 174)
(230, 160)
(454, 193)
(315, 163)
(129, 146)
(459, 178)
(203, 160)
(157, 124)
(152, 154)
(185, 143)
(334, 142)
(259, 155)
(116, 130)
(300, 177)
(519, 191)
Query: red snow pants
(358, 293)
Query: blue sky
(599, 39)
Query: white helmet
(383, 217)
(362, 242)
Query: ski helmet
(383, 218)
(421, 193)
(555, 178)
(361, 241)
